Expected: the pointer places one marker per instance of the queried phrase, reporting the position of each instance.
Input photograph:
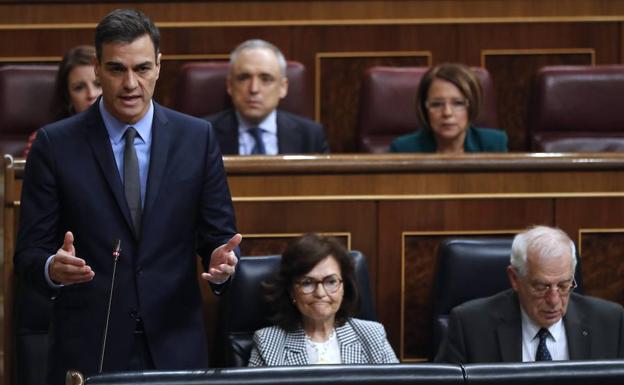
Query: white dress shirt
(556, 342)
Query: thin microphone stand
(116, 252)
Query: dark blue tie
(132, 183)
(258, 148)
(542, 353)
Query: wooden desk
(397, 208)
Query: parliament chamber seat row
(571, 108)
(553, 373)
(242, 310)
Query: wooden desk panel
(416, 176)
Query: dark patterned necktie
(258, 149)
(542, 353)
(132, 183)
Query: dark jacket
(71, 182)
(295, 134)
(490, 330)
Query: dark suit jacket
(295, 134)
(71, 182)
(490, 330)
(477, 140)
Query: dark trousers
(141, 358)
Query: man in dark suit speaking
(540, 318)
(126, 169)
(257, 82)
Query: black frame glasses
(331, 284)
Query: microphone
(116, 251)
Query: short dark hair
(81, 55)
(457, 74)
(299, 258)
(125, 26)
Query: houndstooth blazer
(361, 342)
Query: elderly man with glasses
(540, 318)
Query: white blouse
(327, 352)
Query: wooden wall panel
(602, 252)
(269, 244)
(220, 11)
(356, 220)
(574, 215)
(597, 224)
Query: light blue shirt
(268, 128)
(142, 145)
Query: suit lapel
(161, 144)
(509, 331)
(287, 135)
(226, 128)
(99, 141)
(577, 333)
(294, 349)
(350, 345)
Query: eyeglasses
(331, 284)
(457, 105)
(562, 288)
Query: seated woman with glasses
(447, 101)
(314, 295)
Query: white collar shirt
(556, 342)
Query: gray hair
(259, 44)
(547, 242)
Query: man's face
(128, 74)
(539, 291)
(256, 84)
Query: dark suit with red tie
(71, 182)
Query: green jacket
(477, 140)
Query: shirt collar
(116, 129)
(269, 124)
(530, 328)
